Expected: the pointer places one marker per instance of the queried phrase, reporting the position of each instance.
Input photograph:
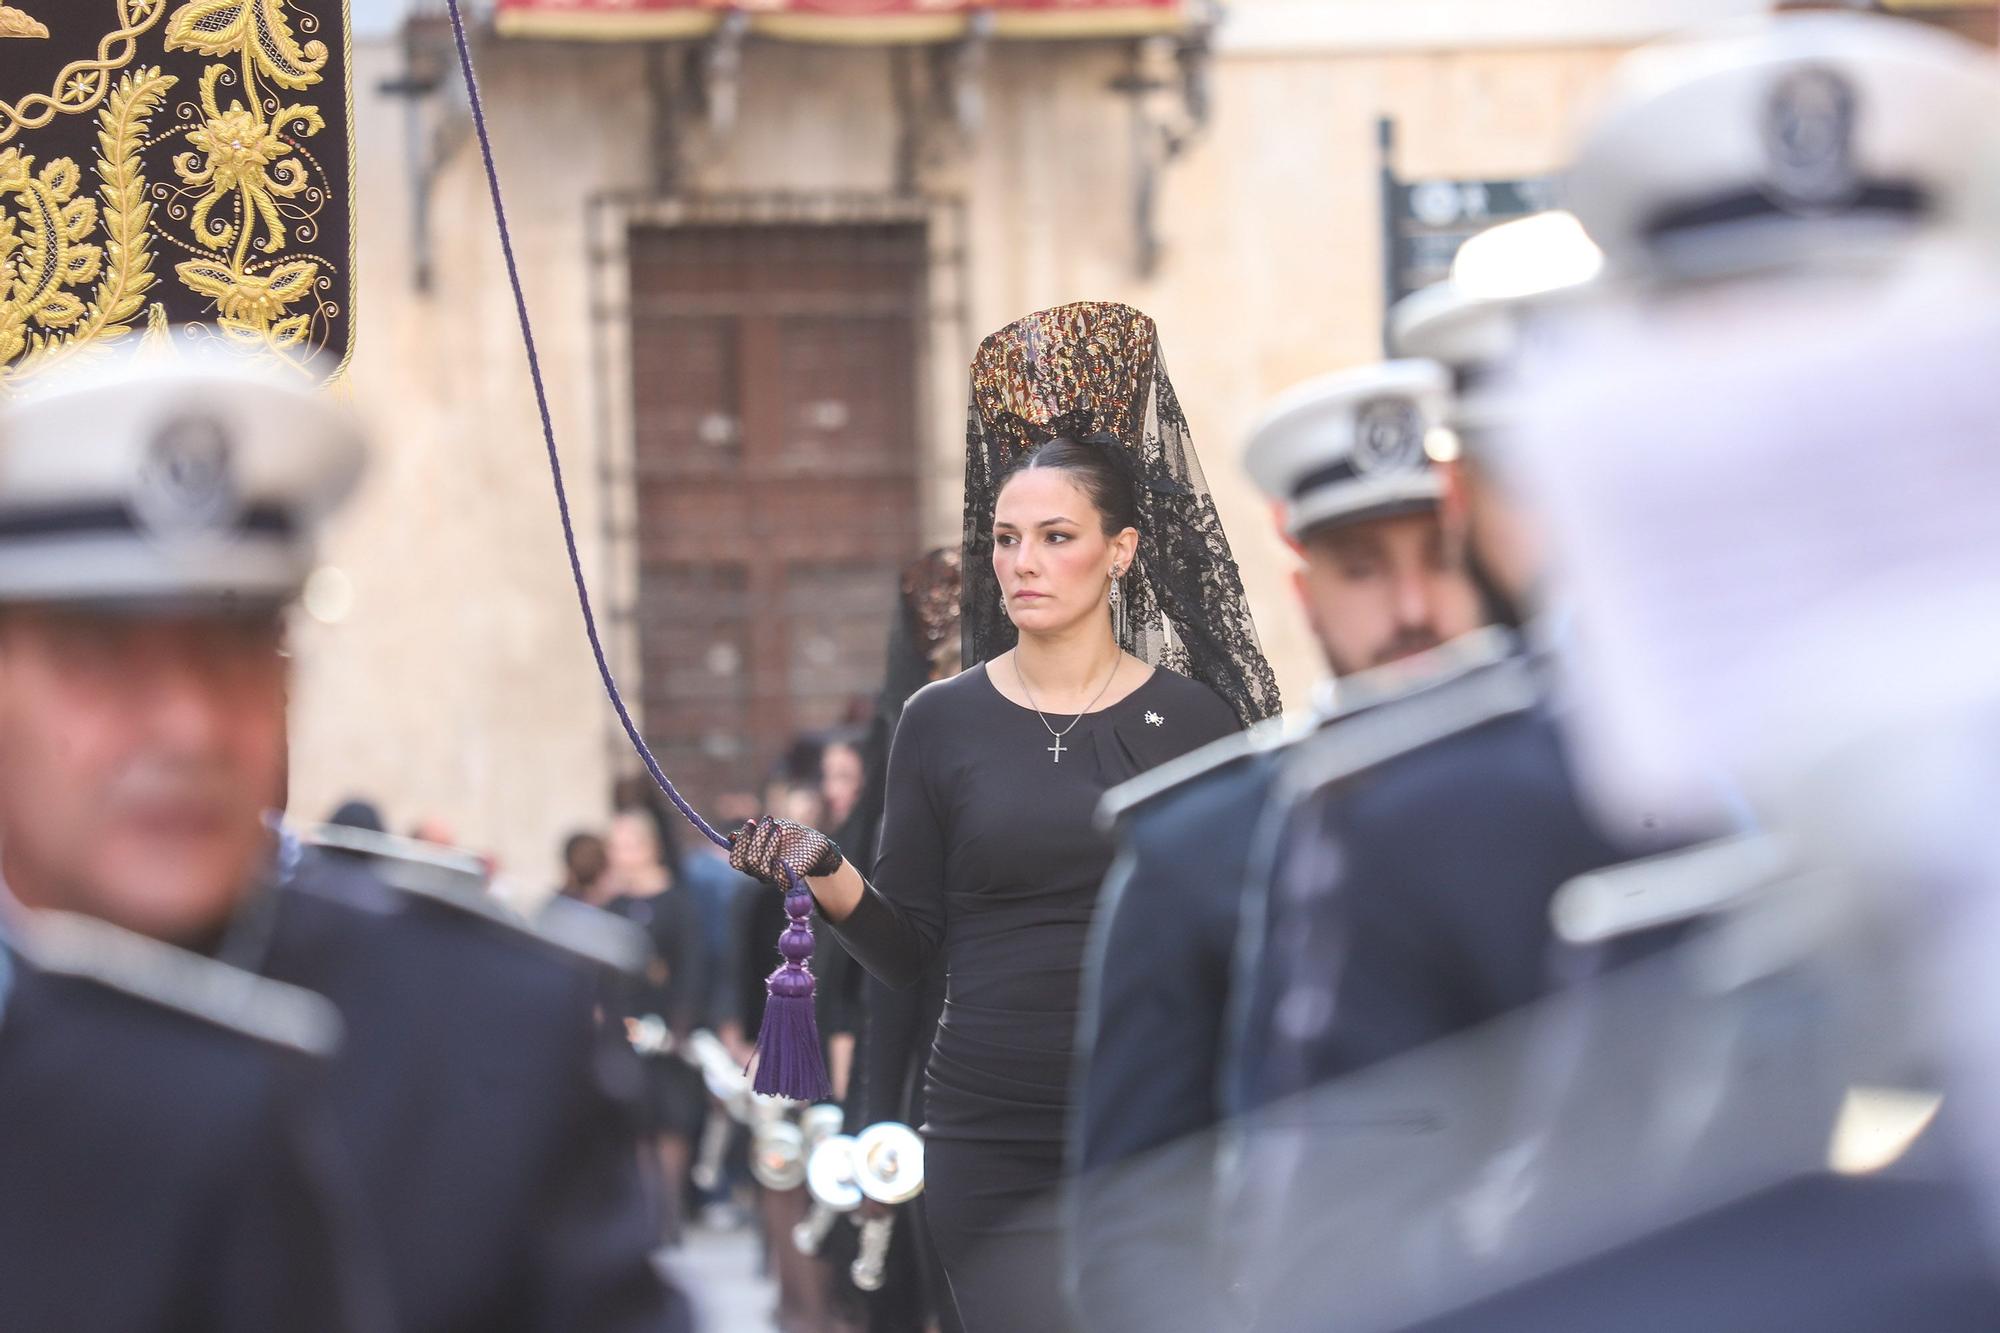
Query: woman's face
(630, 844)
(841, 778)
(1050, 554)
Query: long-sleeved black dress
(989, 855)
(672, 990)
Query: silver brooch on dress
(1154, 719)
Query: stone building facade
(448, 676)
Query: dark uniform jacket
(1457, 1110)
(1413, 855)
(490, 1118)
(1157, 992)
(1161, 993)
(1412, 880)
(1723, 1131)
(167, 1164)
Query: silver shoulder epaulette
(607, 940)
(1351, 697)
(1271, 734)
(453, 879)
(228, 997)
(1434, 709)
(405, 863)
(1667, 889)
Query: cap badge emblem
(1809, 122)
(186, 485)
(1388, 437)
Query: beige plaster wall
(460, 686)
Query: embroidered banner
(175, 171)
(868, 21)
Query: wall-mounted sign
(1425, 221)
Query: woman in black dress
(1094, 562)
(898, 1026)
(640, 885)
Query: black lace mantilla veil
(1091, 372)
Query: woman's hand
(763, 848)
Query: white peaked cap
(1780, 139)
(154, 481)
(1351, 446)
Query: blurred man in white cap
(1781, 608)
(1409, 857)
(155, 523)
(1698, 1142)
(1343, 457)
(166, 1144)
(1298, 1032)
(153, 527)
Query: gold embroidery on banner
(251, 175)
(19, 23)
(81, 84)
(233, 185)
(45, 250)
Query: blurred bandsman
(159, 520)
(1415, 849)
(1793, 212)
(1727, 1134)
(1344, 458)
(168, 1158)
(1467, 819)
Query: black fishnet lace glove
(763, 847)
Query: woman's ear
(1126, 545)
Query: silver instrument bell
(778, 1155)
(649, 1035)
(888, 1168)
(820, 1123)
(726, 1081)
(889, 1162)
(830, 1181)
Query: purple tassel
(789, 1063)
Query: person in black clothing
(1088, 492)
(584, 863)
(898, 1026)
(639, 886)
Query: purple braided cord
(555, 459)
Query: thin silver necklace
(1058, 748)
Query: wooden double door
(775, 387)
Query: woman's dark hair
(583, 859)
(1099, 472)
(636, 793)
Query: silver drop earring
(1117, 609)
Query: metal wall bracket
(1167, 86)
(437, 120)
